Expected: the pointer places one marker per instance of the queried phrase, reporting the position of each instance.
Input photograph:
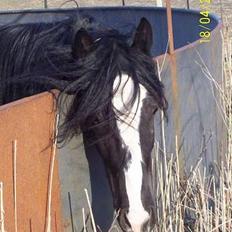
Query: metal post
(45, 4)
(188, 6)
(175, 90)
(123, 2)
(170, 28)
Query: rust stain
(29, 121)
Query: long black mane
(38, 57)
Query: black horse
(115, 94)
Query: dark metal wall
(124, 19)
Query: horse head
(125, 93)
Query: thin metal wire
(77, 5)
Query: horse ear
(82, 44)
(143, 36)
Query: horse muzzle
(126, 226)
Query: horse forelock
(95, 74)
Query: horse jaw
(129, 132)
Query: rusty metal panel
(30, 122)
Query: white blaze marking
(130, 135)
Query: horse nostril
(123, 221)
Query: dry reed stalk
(2, 226)
(51, 172)
(113, 224)
(83, 218)
(91, 212)
(15, 183)
(161, 114)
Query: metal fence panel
(30, 122)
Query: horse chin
(129, 226)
